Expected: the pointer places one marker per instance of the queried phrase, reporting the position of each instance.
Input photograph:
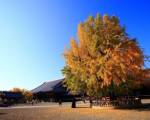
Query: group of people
(120, 101)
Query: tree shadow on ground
(143, 107)
(2, 113)
(82, 107)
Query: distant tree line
(27, 95)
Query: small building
(9, 97)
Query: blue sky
(34, 33)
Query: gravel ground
(67, 113)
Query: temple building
(52, 91)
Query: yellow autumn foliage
(103, 53)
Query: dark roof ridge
(54, 80)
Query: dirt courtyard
(67, 113)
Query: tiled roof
(55, 86)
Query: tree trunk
(73, 103)
(91, 103)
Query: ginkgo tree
(104, 55)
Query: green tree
(102, 55)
